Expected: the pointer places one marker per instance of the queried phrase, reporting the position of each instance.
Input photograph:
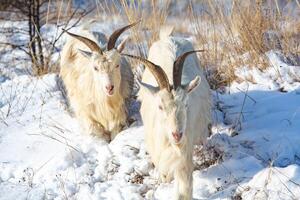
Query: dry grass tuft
(240, 36)
(250, 24)
(151, 21)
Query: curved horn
(158, 73)
(115, 35)
(178, 66)
(90, 43)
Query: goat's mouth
(109, 89)
(110, 92)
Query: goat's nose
(177, 135)
(109, 87)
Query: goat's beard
(177, 146)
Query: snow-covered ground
(254, 152)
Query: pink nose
(109, 88)
(177, 135)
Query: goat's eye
(95, 68)
(160, 107)
(117, 66)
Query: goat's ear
(85, 53)
(149, 89)
(193, 84)
(122, 45)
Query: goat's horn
(90, 43)
(156, 70)
(178, 66)
(115, 35)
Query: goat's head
(104, 64)
(171, 102)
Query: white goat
(176, 115)
(98, 82)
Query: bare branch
(16, 46)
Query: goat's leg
(183, 180)
(116, 131)
(96, 129)
(183, 186)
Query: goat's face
(105, 63)
(172, 108)
(106, 70)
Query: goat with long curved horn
(115, 35)
(99, 82)
(157, 71)
(175, 120)
(178, 66)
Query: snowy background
(253, 153)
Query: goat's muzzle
(109, 89)
(177, 135)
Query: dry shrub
(241, 35)
(290, 40)
(251, 23)
(210, 27)
(152, 19)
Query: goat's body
(176, 161)
(100, 114)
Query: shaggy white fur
(101, 111)
(187, 110)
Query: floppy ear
(122, 45)
(149, 89)
(193, 84)
(86, 54)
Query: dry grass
(147, 31)
(242, 37)
(151, 20)
(231, 39)
(250, 24)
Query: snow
(253, 152)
